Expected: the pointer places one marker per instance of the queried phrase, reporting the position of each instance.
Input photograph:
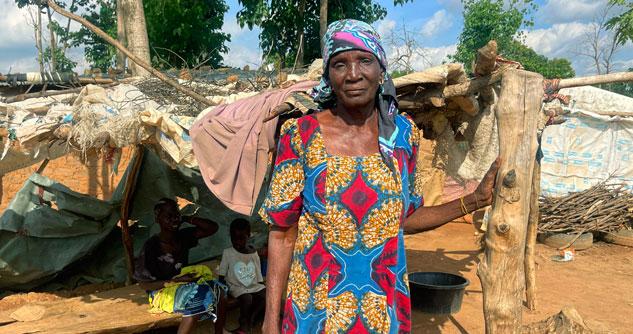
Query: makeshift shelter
(595, 143)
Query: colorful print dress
(348, 272)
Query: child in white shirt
(241, 269)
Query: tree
(622, 24)
(184, 33)
(100, 54)
(136, 33)
(624, 88)
(600, 44)
(485, 20)
(282, 22)
(534, 62)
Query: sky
(560, 27)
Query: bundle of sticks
(605, 207)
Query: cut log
(530, 242)
(486, 59)
(501, 267)
(468, 104)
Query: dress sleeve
(283, 203)
(416, 199)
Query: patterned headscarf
(345, 35)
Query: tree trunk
(120, 35)
(322, 21)
(136, 34)
(52, 41)
(501, 267)
(38, 40)
(530, 243)
(299, 59)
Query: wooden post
(501, 268)
(128, 192)
(530, 242)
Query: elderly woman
(342, 194)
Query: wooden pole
(501, 267)
(23, 97)
(596, 79)
(530, 243)
(128, 192)
(129, 55)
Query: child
(162, 270)
(241, 268)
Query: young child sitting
(241, 269)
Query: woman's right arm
(281, 241)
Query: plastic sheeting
(588, 148)
(50, 231)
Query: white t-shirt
(242, 272)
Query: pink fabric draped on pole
(231, 143)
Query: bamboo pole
(130, 186)
(129, 55)
(501, 266)
(530, 243)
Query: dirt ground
(598, 283)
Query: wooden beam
(23, 97)
(128, 194)
(596, 79)
(501, 267)
(129, 54)
(530, 242)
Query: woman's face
(355, 76)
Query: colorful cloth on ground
(189, 299)
(348, 272)
(345, 35)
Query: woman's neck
(356, 117)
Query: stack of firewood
(605, 207)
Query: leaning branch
(125, 51)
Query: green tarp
(50, 233)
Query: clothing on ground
(189, 299)
(348, 271)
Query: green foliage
(64, 64)
(184, 33)
(532, 61)
(622, 24)
(281, 23)
(100, 54)
(485, 20)
(624, 88)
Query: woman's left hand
(486, 187)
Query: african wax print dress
(348, 272)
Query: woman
(162, 270)
(342, 187)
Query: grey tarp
(76, 236)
